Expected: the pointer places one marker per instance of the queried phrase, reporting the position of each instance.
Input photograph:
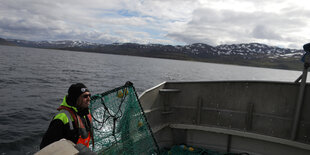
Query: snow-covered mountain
(253, 54)
(248, 51)
(199, 49)
(259, 50)
(51, 44)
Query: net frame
(117, 118)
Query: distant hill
(5, 42)
(251, 54)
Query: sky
(282, 23)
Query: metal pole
(300, 101)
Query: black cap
(74, 91)
(307, 47)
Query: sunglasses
(86, 96)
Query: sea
(34, 81)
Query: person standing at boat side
(73, 121)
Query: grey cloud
(229, 26)
(98, 20)
(190, 38)
(228, 17)
(56, 20)
(40, 20)
(262, 32)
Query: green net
(119, 123)
(189, 150)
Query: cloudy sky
(283, 23)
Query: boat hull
(256, 117)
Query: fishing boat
(238, 117)
(253, 117)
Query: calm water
(34, 81)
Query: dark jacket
(60, 127)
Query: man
(73, 121)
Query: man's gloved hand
(83, 150)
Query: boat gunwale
(230, 81)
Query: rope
(118, 114)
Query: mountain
(251, 54)
(5, 42)
(50, 44)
